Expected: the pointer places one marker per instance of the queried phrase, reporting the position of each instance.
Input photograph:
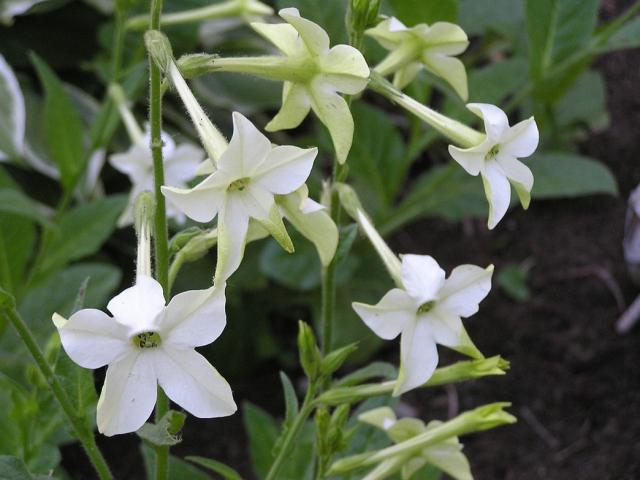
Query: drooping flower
(313, 73)
(422, 46)
(146, 343)
(496, 159)
(447, 455)
(249, 174)
(427, 310)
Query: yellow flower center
(238, 185)
(146, 340)
(426, 307)
(491, 154)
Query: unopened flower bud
(308, 350)
(334, 360)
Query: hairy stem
(80, 429)
(161, 234)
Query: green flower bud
(180, 239)
(334, 360)
(308, 350)
(144, 220)
(159, 48)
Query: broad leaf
(15, 202)
(412, 12)
(82, 231)
(627, 37)
(477, 17)
(79, 385)
(166, 431)
(62, 125)
(12, 468)
(12, 113)
(290, 400)
(263, 433)
(569, 175)
(585, 103)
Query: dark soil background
(573, 381)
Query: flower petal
(495, 120)
(422, 277)
(256, 199)
(295, 107)
(389, 33)
(443, 38)
(191, 382)
(314, 37)
(448, 457)
(182, 165)
(138, 307)
(282, 35)
(202, 202)
(449, 69)
(405, 428)
(381, 417)
(465, 288)
(285, 169)
(233, 223)
(521, 140)
(418, 357)
(345, 69)
(519, 175)
(446, 327)
(334, 113)
(93, 339)
(497, 190)
(471, 159)
(247, 149)
(275, 226)
(194, 318)
(406, 75)
(389, 316)
(128, 394)
(135, 162)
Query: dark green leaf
(412, 12)
(63, 128)
(290, 400)
(585, 103)
(569, 175)
(15, 202)
(11, 468)
(513, 279)
(243, 93)
(299, 270)
(263, 433)
(226, 471)
(166, 431)
(178, 469)
(373, 370)
(627, 37)
(78, 383)
(82, 231)
(500, 16)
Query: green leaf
(82, 231)
(243, 93)
(627, 37)
(513, 280)
(225, 471)
(17, 237)
(557, 30)
(298, 271)
(263, 433)
(412, 12)
(12, 468)
(57, 293)
(290, 400)
(584, 103)
(78, 383)
(564, 175)
(63, 128)
(378, 159)
(166, 431)
(373, 370)
(12, 113)
(501, 16)
(17, 203)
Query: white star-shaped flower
(426, 311)
(446, 455)
(146, 343)
(322, 72)
(249, 173)
(496, 159)
(422, 46)
(180, 164)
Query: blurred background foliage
(59, 199)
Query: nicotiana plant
(249, 188)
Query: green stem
(82, 433)
(161, 234)
(305, 410)
(220, 10)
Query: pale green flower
(447, 455)
(422, 46)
